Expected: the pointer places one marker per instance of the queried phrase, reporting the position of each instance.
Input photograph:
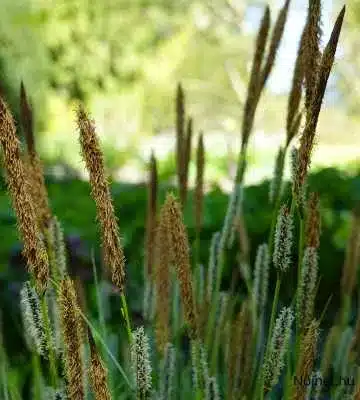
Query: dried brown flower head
(112, 248)
(34, 250)
(71, 329)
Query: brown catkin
(70, 324)
(312, 52)
(34, 249)
(306, 361)
(199, 184)
(151, 216)
(308, 135)
(98, 373)
(181, 259)
(180, 135)
(112, 248)
(296, 91)
(254, 90)
(186, 161)
(162, 280)
(275, 43)
(33, 163)
(313, 222)
(352, 257)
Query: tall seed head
(275, 42)
(98, 373)
(71, 328)
(306, 361)
(307, 288)
(275, 185)
(181, 258)
(254, 88)
(151, 217)
(199, 184)
(278, 348)
(283, 240)
(313, 222)
(34, 249)
(34, 335)
(112, 248)
(35, 171)
(140, 360)
(261, 278)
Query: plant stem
(125, 314)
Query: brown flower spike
(151, 217)
(34, 250)
(181, 259)
(98, 373)
(71, 329)
(34, 166)
(112, 248)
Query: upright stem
(125, 314)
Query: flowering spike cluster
(200, 370)
(57, 237)
(275, 184)
(278, 348)
(18, 187)
(32, 318)
(140, 360)
(212, 389)
(54, 316)
(181, 258)
(283, 240)
(98, 373)
(167, 373)
(213, 262)
(72, 334)
(307, 287)
(261, 277)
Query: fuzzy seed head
(32, 319)
(98, 373)
(167, 372)
(18, 186)
(58, 243)
(278, 348)
(71, 330)
(140, 360)
(261, 278)
(199, 184)
(283, 240)
(307, 288)
(213, 263)
(181, 258)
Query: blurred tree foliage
(123, 58)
